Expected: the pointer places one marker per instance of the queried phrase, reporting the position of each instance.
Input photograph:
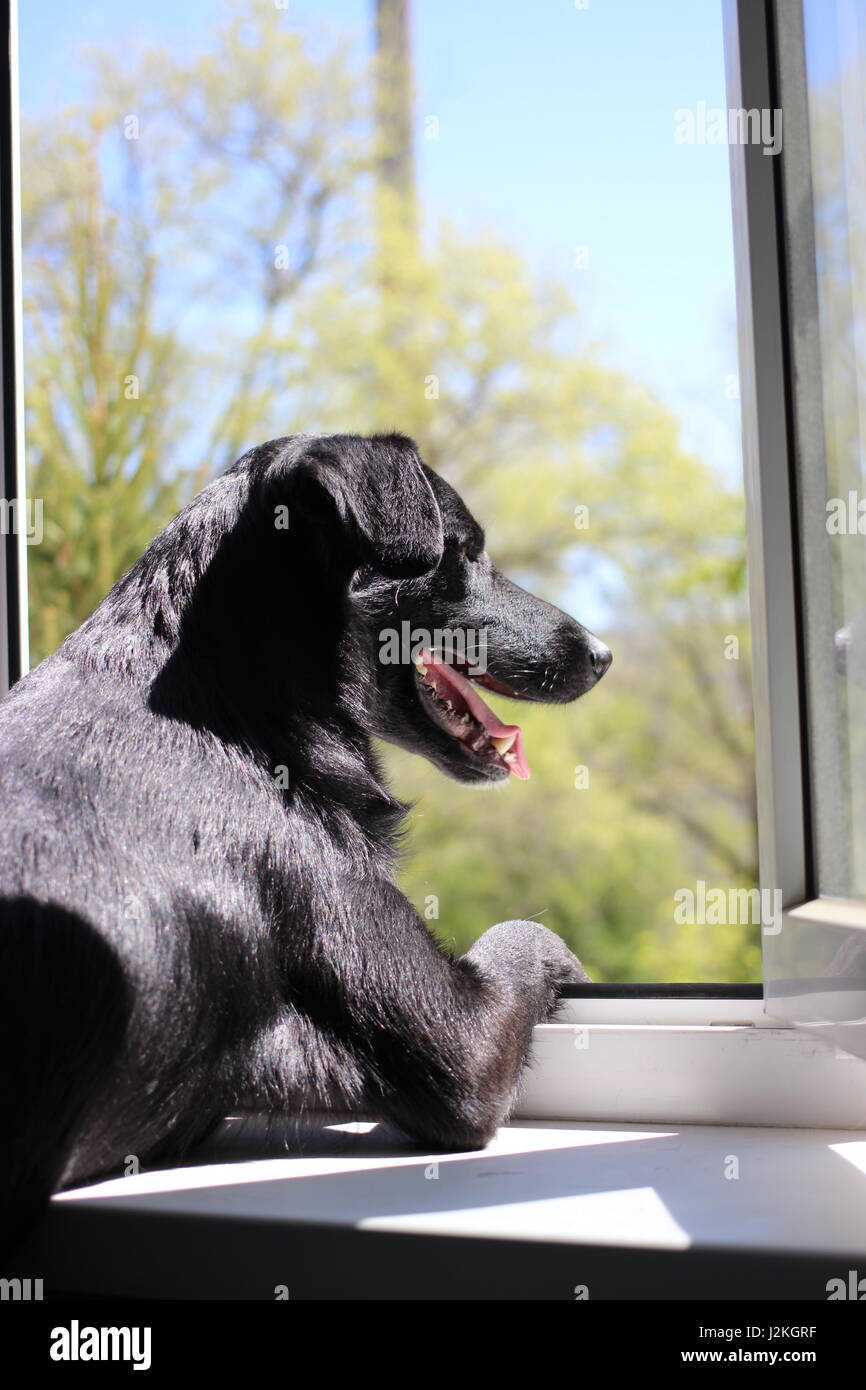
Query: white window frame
(688, 1061)
(802, 836)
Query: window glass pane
(836, 79)
(516, 249)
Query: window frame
(14, 643)
(768, 482)
(802, 836)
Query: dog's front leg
(439, 1042)
(528, 958)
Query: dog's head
(429, 617)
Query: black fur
(181, 932)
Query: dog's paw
(530, 955)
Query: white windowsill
(626, 1140)
(584, 1188)
(630, 1185)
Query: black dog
(197, 850)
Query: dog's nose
(600, 658)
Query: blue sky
(555, 131)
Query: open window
(798, 243)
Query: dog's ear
(376, 490)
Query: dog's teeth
(503, 744)
(419, 665)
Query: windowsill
(547, 1203)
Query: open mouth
(454, 704)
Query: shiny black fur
(181, 932)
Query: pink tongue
(483, 713)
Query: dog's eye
(464, 549)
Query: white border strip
(713, 1074)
